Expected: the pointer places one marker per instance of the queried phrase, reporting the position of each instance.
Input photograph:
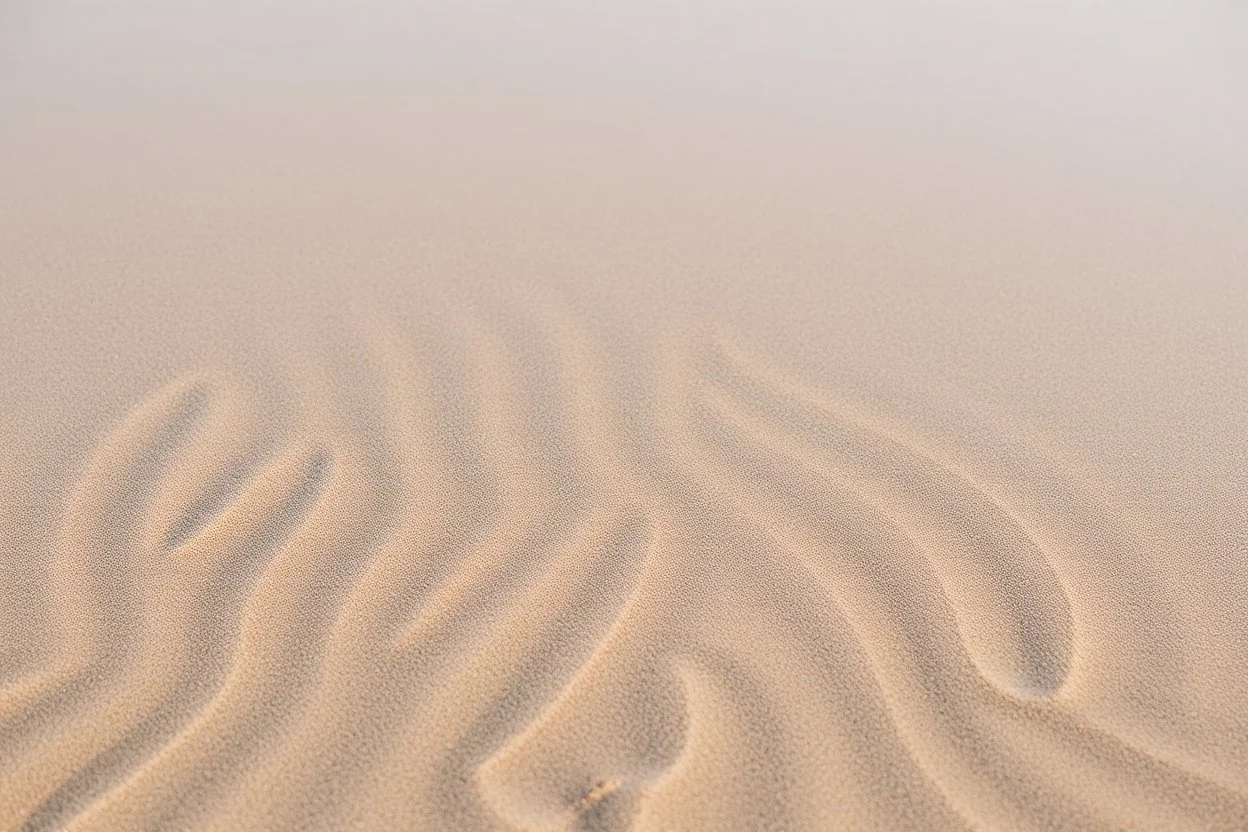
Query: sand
(806, 417)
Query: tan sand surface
(695, 416)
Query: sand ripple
(510, 573)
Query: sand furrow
(964, 719)
(761, 575)
(275, 657)
(554, 421)
(97, 586)
(376, 670)
(1014, 613)
(189, 608)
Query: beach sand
(687, 418)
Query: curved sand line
(1014, 613)
(421, 657)
(272, 657)
(1185, 800)
(95, 583)
(450, 776)
(825, 658)
(423, 663)
(190, 616)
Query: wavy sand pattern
(498, 572)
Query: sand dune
(637, 415)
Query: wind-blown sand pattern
(521, 597)
(528, 417)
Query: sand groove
(874, 561)
(1015, 613)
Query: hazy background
(792, 160)
(1052, 175)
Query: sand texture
(495, 435)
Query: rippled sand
(815, 420)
